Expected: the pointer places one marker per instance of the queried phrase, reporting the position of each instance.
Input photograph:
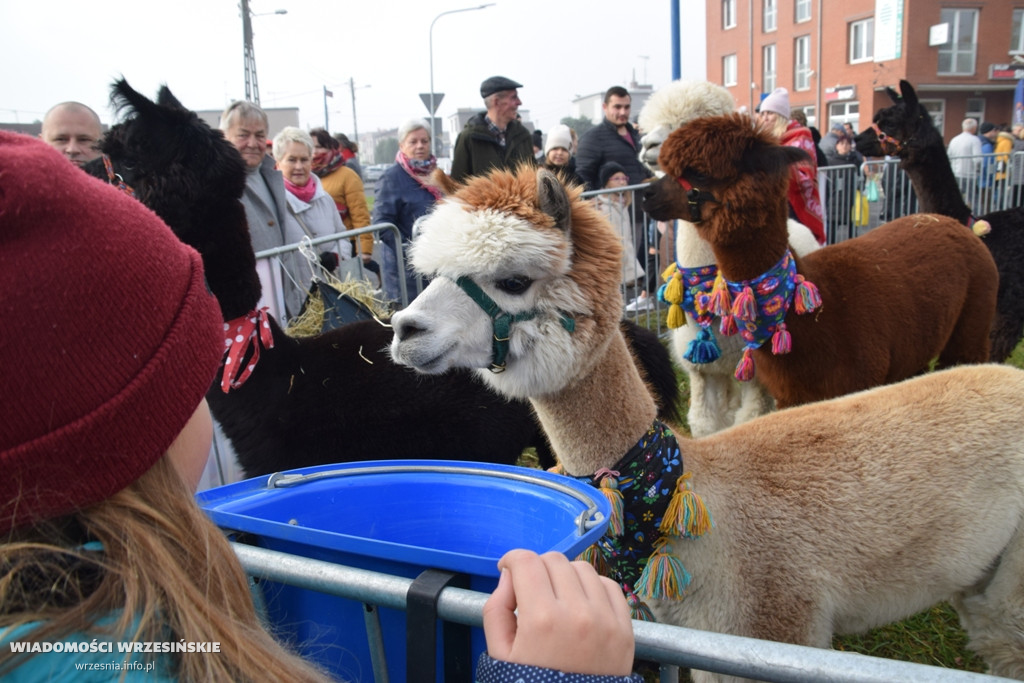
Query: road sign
(425, 96)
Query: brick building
(963, 57)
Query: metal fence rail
(672, 646)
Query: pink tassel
(728, 326)
(807, 296)
(721, 300)
(744, 307)
(782, 340)
(745, 368)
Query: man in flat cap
(495, 138)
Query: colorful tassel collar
(651, 503)
(757, 308)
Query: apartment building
(963, 57)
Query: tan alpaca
(830, 517)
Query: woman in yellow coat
(344, 186)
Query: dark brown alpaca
(913, 290)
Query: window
(844, 112)
(975, 109)
(957, 56)
(729, 70)
(1016, 32)
(728, 13)
(862, 41)
(768, 68)
(803, 10)
(769, 24)
(802, 63)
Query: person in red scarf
(804, 200)
(403, 195)
(312, 207)
(344, 186)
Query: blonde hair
(165, 571)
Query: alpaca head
(528, 248)
(191, 177)
(675, 105)
(900, 129)
(725, 175)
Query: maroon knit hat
(110, 337)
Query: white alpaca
(717, 399)
(835, 516)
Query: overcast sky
(56, 50)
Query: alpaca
(835, 516)
(909, 133)
(331, 397)
(717, 399)
(884, 305)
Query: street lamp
(252, 88)
(433, 107)
(352, 89)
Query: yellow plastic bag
(861, 210)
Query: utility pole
(252, 88)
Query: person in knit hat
(111, 340)
(804, 201)
(558, 154)
(615, 206)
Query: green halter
(503, 321)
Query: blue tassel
(703, 349)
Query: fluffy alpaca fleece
(836, 516)
(922, 153)
(915, 289)
(717, 400)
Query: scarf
(757, 308)
(419, 170)
(802, 192)
(326, 163)
(651, 502)
(303, 192)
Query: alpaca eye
(514, 285)
(697, 178)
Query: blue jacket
(492, 671)
(400, 200)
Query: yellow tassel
(610, 488)
(675, 317)
(595, 558)
(668, 272)
(674, 289)
(686, 514)
(664, 576)
(721, 301)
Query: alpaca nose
(406, 327)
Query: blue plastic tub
(400, 517)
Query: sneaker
(641, 303)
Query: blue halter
(503, 321)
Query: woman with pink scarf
(403, 195)
(312, 207)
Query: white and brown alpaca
(913, 290)
(832, 517)
(717, 399)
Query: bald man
(74, 130)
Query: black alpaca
(910, 134)
(337, 396)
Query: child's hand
(569, 618)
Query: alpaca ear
(893, 95)
(909, 96)
(553, 199)
(165, 98)
(443, 182)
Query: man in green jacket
(495, 138)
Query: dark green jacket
(477, 151)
